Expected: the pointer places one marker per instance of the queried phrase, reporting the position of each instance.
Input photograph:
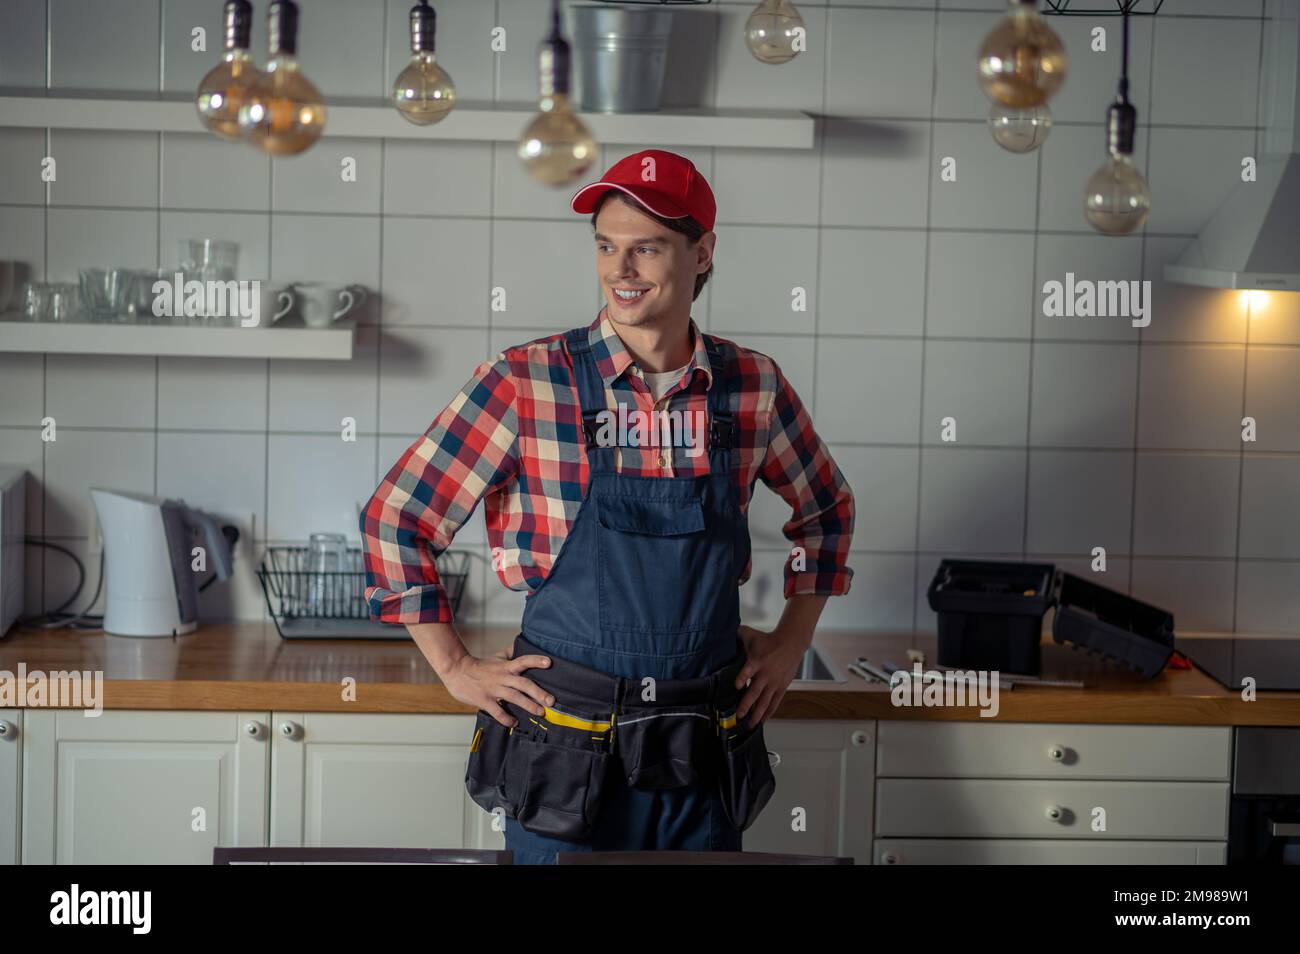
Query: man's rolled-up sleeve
(798, 466)
(468, 452)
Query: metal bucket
(620, 54)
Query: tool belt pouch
(554, 777)
(666, 747)
(746, 782)
(484, 770)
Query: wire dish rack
(314, 604)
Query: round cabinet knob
(1055, 812)
(290, 730)
(889, 858)
(861, 737)
(8, 731)
(1056, 753)
(254, 730)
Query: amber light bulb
(1022, 62)
(227, 86)
(772, 29)
(284, 114)
(1019, 130)
(556, 146)
(423, 92)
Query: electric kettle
(152, 561)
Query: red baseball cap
(665, 183)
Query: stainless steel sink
(817, 667)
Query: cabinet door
(11, 760)
(132, 787)
(824, 790)
(371, 780)
(936, 851)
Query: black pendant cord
(1123, 69)
(1121, 118)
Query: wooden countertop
(247, 666)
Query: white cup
(6, 284)
(321, 304)
(275, 303)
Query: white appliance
(13, 482)
(150, 550)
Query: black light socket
(424, 27)
(238, 23)
(556, 57)
(282, 27)
(1121, 127)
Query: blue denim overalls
(645, 584)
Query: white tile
(239, 598)
(743, 82)
(1270, 519)
(22, 44)
(1189, 312)
(342, 249)
(794, 355)
(306, 397)
(879, 597)
(1274, 317)
(201, 394)
(982, 385)
(81, 459)
(341, 47)
(318, 483)
(1266, 600)
(22, 152)
(878, 63)
(972, 500)
(222, 474)
(1092, 76)
(1273, 396)
(1079, 500)
(251, 231)
(1198, 592)
(525, 23)
(516, 194)
(436, 272)
(884, 485)
(1113, 577)
(100, 390)
(992, 189)
(110, 238)
(200, 171)
(23, 447)
(183, 66)
(108, 45)
(757, 270)
(336, 175)
(1172, 486)
(1206, 72)
(869, 390)
(690, 68)
(546, 269)
(765, 186)
(462, 45)
(104, 168)
(1192, 172)
(871, 281)
(391, 449)
(61, 578)
(1091, 258)
(961, 301)
(1070, 156)
(1083, 395)
(22, 389)
(1190, 397)
(437, 178)
(874, 173)
(421, 371)
(22, 241)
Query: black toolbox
(991, 617)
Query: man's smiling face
(653, 266)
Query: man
(631, 544)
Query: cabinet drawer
(935, 851)
(1040, 750)
(992, 808)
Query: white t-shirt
(660, 381)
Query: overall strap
(591, 395)
(723, 431)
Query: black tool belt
(550, 772)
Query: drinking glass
(326, 556)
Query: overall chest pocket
(661, 567)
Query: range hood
(1253, 240)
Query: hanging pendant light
(1022, 62)
(772, 30)
(1116, 199)
(556, 146)
(284, 114)
(227, 86)
(1019, 130)
(423, 92)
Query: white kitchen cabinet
(824, 790)
(131, 787)
(374, 780)
(11, 761)
(937, 851)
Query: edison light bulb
(284, 114)
(775, 32)
(1022, 62)
(556, 147)
(423, 92)
(1116, 199)
(1019, 130)
(227, 85)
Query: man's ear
(704, 250)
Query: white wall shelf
(39, 337)
(376, 119)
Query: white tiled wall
(922, 293)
